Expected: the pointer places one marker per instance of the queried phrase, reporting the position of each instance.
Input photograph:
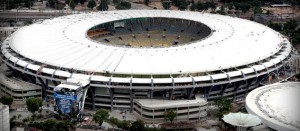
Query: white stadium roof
(277, 105)
(62, 42)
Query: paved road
(26, 15)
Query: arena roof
(277, 105)
(63, 42)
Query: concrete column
(191, 92)
(131, 101)
(111, 99)
(151, 93)
(188, 114)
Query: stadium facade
(133, 57)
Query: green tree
(146, 2)
(103, 6)
(52, 3)
(257, 10)
(275, 26)
(124, 125)
(91, 4)
(224, 106)
(29, 3)
(72, 4)
(48, 125)
(123, 6)
(114, 121)
(181, 4)
(137, 126)
(116, 2)
(33, 104)
(100, 116)
(221, 11)
(12, 122)
(6, 100)
(170, 115)
(298, 76)
(194, 7)
(290, 25)
(166, 5)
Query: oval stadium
(147, 61)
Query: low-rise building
(4, 118)
(186, 110)
(16, 88)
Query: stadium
(148, 61)
(272, 106)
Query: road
(32, 14)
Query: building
(150, 54)
(4, 118)
(154, 109)
(6, 31)
(277, 105)
(17, 88)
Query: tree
(49, 124)
(33, 104)
(29, 3)
(124, 125)
(91, 4)
(146, 2)
(123, 6)
(114, 121)
(166, 5)
(181, 4)
(257, 10)
(137, 126)
(100, 116)
(82, 1)
(298, 76)
(116, 2)
(103, 5)
(72, 4)
(170, 115)
(52, 3)
(6, 100)
(224, 106)
(290, 25)
(275, 26)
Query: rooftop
(277, 105)
(62, 42)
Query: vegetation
(53, 125)
(170, 115)
(71, 3)
(146, 2)
(103, 6)
(298, 76)
(52, 3)
(181, 4)
(224, 106)
(100, 116)
(91, 4)
(289, 29)
(123, 5)
(166, 5)
(6, 100)
(221, 11)
(137, 126)
(203, 6)
(33, 104)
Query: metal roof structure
(276, 105)
(63, 42)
